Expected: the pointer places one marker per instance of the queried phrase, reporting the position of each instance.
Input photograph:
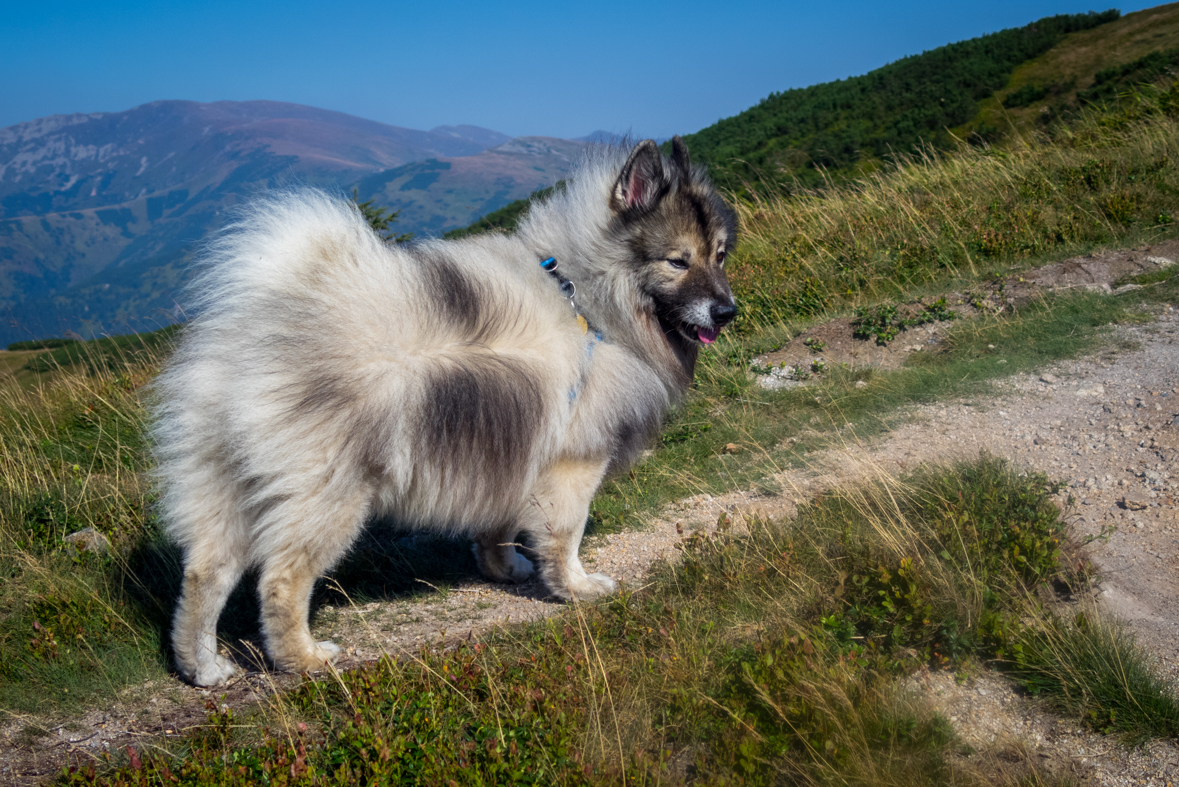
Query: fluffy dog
(457, 386)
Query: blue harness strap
(568, 290)
(594, 338)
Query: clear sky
(651, 68)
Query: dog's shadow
(387, 563)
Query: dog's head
(679, 232)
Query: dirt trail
(1108, 425)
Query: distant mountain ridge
(99, 212)
(441, 194)
(72, 162)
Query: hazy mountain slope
(140, 291)
(840, 128)
(70, 162)
(89, 194)
(442, 194)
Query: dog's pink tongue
(707, 335)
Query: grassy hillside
(1055, 83)
(844, 128)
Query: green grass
(1089, 666)
(110, 352)
(941, 219)
(76, 627)
(768, 655)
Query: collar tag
(566, 288)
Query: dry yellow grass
(933, 218)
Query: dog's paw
(589, 586)
(313, 660)
(214, 672)
(503, 563)
(326, 652)
(520, 568)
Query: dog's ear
(679, 158)
(642, 182)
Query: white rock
(89, 540)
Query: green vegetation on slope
(1052, 88)
(78, 624)
(1112, 82)
(846, 127)
(1108, 178)
(507, 218)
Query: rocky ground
(1108, 425)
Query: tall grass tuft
(1088, 665)
(73, 625)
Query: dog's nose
(723, 314)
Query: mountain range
(100, 212)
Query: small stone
(1162, 262)
(1049, 378)
(731, 448)
(1135, 501)
(861, 384)
(89, 540)
(1127, 288)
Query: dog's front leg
(554, 517)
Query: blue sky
(652, 68)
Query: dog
(482, 386)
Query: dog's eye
(720, 257)
(678, 263)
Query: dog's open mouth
(699, 333)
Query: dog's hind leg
(308, 537)
(213, 564)
(554, 517)
(498, 559)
